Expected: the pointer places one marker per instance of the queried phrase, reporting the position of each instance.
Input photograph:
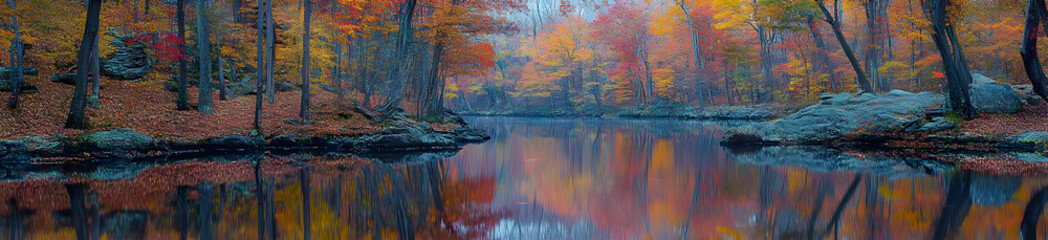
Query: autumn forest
(523, 119)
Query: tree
(625, 28)
(876, 39)
(96, 81)
(835, 24)
(303, 113)
(17, 52)
(405, 34)
(955, 66)
(204, 52)
(260, 69)
(1036, 15)
(270, 52)
(182, 99)
(76, 108)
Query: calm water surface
(536, 178)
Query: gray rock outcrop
(118, 140)
(988, 96)
(129, 62)
(838, 115)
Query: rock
(128, 62)
(981, 79)
(64, 78)
(1027, 94)
(470, 135)
(1030, 157)
(937, 124)
(5, 73)
(283, 86)
(236, 142)
(30, 143)
(837, 116)
(1032, 137)
(118, 140)
(1038, 139)
(988, 96)
(6, 86)
(724, 112)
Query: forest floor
(138, 119)
(147, 108)
(1031, 118)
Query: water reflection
(276, 198)
(537, 178)
(617, 179)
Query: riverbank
(1007, 137)
(720, 112)
(137, 119)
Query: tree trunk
(259, 67)
(695, 50)
(183, 98)
(396, 73)
(237, 4)
(860, 75)
(204, 52)
(96, 78)
(876, 15)
(649, 92)
(76, 108)
(16, 73)
(303, 112)
(337, 81)
(270, 57)
(221, 71)
(958, 77)
(433, 107)
(1035, 16)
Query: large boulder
(839, 115)
(988, 96)
(129, 62)
(118, 140)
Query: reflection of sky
(662, 179)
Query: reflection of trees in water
(955, 209)
(334, 199)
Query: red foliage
(167, 49)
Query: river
(536, 178)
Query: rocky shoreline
(125, 144)
(893, 125)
